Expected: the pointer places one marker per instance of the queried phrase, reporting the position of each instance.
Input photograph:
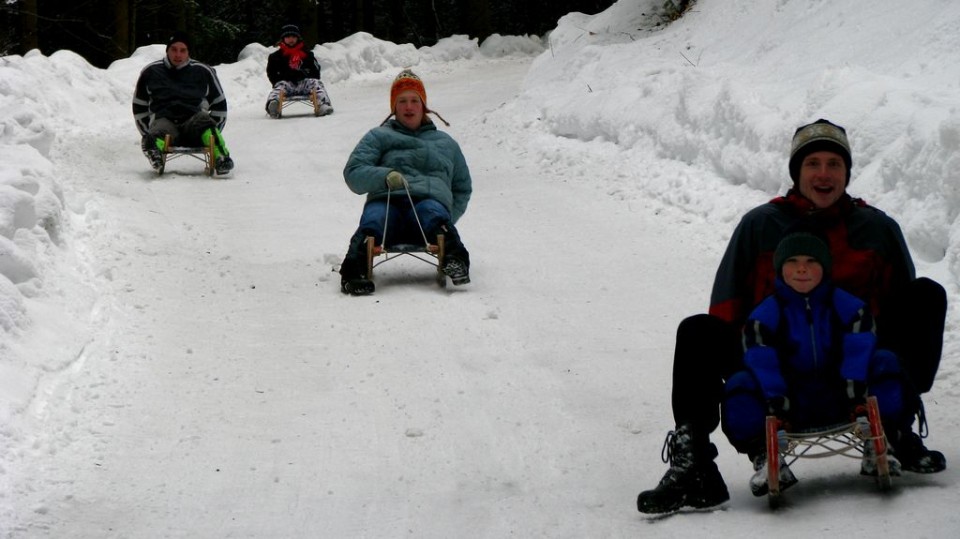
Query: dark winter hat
(178, 37)
(819, 136)
(290, 30)
(805, 244)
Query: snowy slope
(176, 359)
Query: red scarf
(294, 54)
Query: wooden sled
(845, 439)
(311, 100)
(431, 254)
(201, 153)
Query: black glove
(856, 399)
(778, 406)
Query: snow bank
(726, 103)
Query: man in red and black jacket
(870, 260)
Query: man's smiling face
(823, 178)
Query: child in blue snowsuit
(811, 359)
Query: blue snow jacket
(806, 347)
(429, 158)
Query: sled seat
(309, 100)
(431, 254)
(202, 153)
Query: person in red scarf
(294, 70)
(870, 260)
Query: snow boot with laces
(868, 463)
(914, 456)
(151, 147)
(908, 446)
(693, 479)
(223, 164)
(758, 482)
(456, 261)
(353, 277)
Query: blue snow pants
(743, 410)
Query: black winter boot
(914, 457)
(693, 479)
(149, 146)
(908, 446)
(456, 259)
(353, 270)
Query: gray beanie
(821, 135)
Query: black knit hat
(178, 37)
(290, 30)
(819, 136)
(802, 243)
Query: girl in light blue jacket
(407, 152)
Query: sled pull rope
(416, 216)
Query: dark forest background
(103, 31)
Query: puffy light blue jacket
(429, 158)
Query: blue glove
(395, 180)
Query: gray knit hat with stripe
(821, 135)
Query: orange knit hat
(406, 81)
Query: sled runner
(858, 440)
(309, 100)
(430, 253)
(201, 153)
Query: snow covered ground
(176, 359)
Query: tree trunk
(29, 35)
(476, 19)
(368, 21)
(308, 21)
(122, 42)
(359, 16)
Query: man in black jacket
(180, 97)
(294, 70)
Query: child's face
(802, 273)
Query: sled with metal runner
(430, 253)
(311, 100)
(201, 153)
(846, 439)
